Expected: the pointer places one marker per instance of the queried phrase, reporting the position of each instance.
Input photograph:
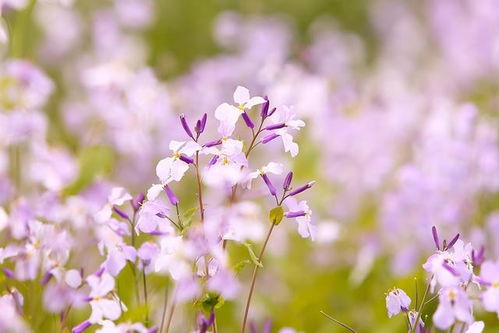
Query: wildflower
(228, 114)
(102, 306)
(454, 305)
(489, 276)
(303, 216)
(173, 168)
(284, 121)
(396, 301)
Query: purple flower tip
(153, 330)
(272, 112)
(46, 278)
(186, 159)
(275, 126)
(287, 181)
(452, 242)
(81, 327)
(213, 160)
(121, 213)
(247, 120)
(171, 196)
(213, 143)
(264, 112)
(267, 181)
(187, 130)
(291, 215)
(435, 237)
(137, 201)
(302, 188)
(450, 269)
(269, 138)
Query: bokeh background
(400, 100)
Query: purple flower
(186, 127)
(171, 196)
(489, 275)
(454, 305)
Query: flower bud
(302, 188)
(291, 215)
(247, 120)
(186, 159)
(267, 181)
(287, 181)
(268, 138)
(171, 196)
(121, 213)
(275, 126)
(186, 126)
(265, 108)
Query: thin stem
(415, 324)
(170, 314)
(253, 279)
(145, 296)
(165, 305)
(338, 322)
(200, 192)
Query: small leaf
(187, 216)
(276, 215)
(240, 265)
(253, 257)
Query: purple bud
(213, 160)
(8, 273)
(269, 184)
(213, 143)
(287, 181)
(247, 120)
(88, 299)
(452, 242)
(302, 188)
(99, 272)
(265, 108)
(121, 213)
(268, 138)
(275, 126)
(291, 215)
(272, 111)
(203, 122)
(197, 128)
(186, 159)
(46, 278)
(81, 327)
(171, 196)
(153, 330)
(252, 327)
(137, 201)
(478, 258)
(186, 126)
(435, 237)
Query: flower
(454, 305)
(152, 218)
(284, 120)
(229, 114)
(305, 227)
(476, 327)
(173, 168)
(396, 301)
(103, 307)
(489, 276)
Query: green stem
(253, 279)
(413, 329)
(145, 296)
(338, 322)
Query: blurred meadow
(400, 102)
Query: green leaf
(253, 257)
(187, 216)
(276, 215)
(240, 265)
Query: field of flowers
(181, 166)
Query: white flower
(305, 227)
(173, 168)
(272, 167)
(229, 114)
(396, 301)
(287, 116)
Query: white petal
(241, 95)
(275, 168)
(190, 148)
(228, 116)
(178, 170)
(476, 327)
(73, 278)
(110, 308)
(154, 191)
(176, 145)
(257, 100)
(164, 169)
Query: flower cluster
(155, 234)
(461, 279)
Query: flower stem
(422, 304)
(253, 279)
(165, 305)
(338, 322)
(145, 296)
(200, 192)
